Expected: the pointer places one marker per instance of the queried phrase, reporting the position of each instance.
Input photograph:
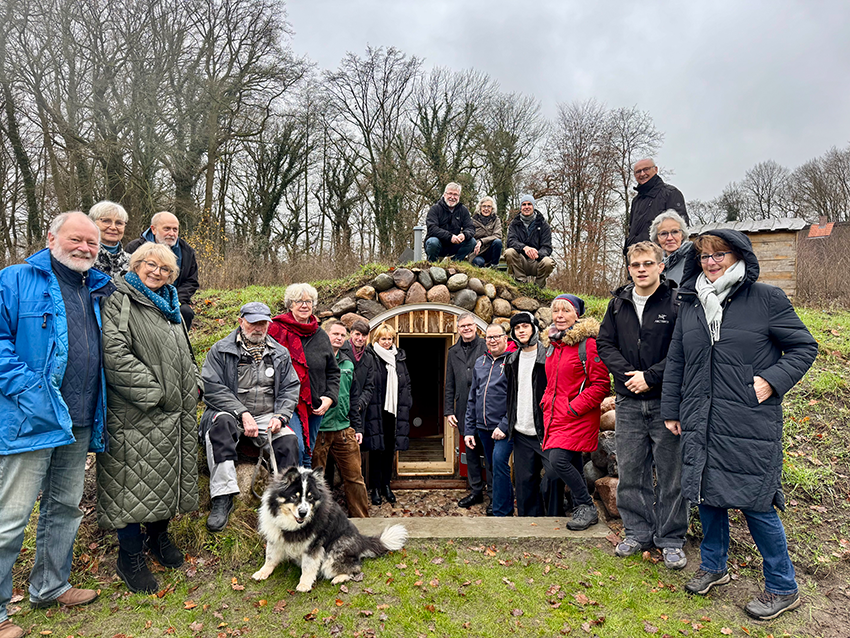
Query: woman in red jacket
(577, 381)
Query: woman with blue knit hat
(577, 383)
(526, 375)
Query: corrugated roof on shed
(754, 225)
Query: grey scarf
(712, 295)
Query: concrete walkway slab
(480, 527)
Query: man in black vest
(653, 197)
(459, 366)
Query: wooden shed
(775, 243)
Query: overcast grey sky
(730, 83)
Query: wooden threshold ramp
(480, 527)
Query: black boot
(220, 512)
(133, 568)
(160, 546)
(375, 495)
(388, 494)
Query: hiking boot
(72, 598)
(388, 494)
(583, 517)
(471, 499)
(703, 581)
(674, 557)
(219, 512)
(768, 606)
(629, 546)
(8, 629)
(375, 496)
(160, 546)
(489, 510)
(133, 568)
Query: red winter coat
(571, 414)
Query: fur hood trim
(584, 328)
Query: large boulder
(344, 305)
(608, 421)
(526, 303)
(606, 490)
(613, 468)
(350, 317)
(490, 290)
(591, 475)
(465, 299)
(383, 282)
(438, 275)
(503, 321)
(605, 447)
(403, 278)
(391, 298)
(505, 293)
(458, 281)
(476, 285)
(425, 279)
(369, 309)
(365, 292)
(484, 308)
(439, 294)
(416, 294)
(608, 403)
(544, 317)
(502, 308)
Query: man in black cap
(250, 389)
(529, 245)
(526, 371)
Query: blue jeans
(769, 535)
(489, 256)
(498, 454)
(313, 423)
(653, 513)
(435, 248)
(59, 473)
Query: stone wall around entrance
(494, 303)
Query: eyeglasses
(302, 302)
(715, 257)
(465, 326)
(165, 270)
(638, 171)
(492, 338)
(664, 234)
(112, 222)
(645, 264)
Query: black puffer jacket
(442, 222)
(653, 198)
(364, 373)
(373, 423)
(538, 234)
(625, 344)
(731, 443)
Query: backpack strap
(582, 356)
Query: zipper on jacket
(554, 395)
(88, 351)
(179, 427)
(486, 388)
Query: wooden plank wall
(777, 255)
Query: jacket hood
(581, 330)
(739, 241)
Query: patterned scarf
(255, 350)
(287, 331)
(165, 299)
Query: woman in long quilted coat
(737, 348)
(149, 472)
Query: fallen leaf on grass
(196, 626)
(339, 602)
(648, 628)
(745, 630)
(312, 615)
(435, 582)
(189, 604)
(726, 631)
(431, 608)
(516, 612)
(366, 612)
(581, 599)
(510, 584)
(278, 606)
(148, 624)
(17, 598)
(438, 561)
(234, 584)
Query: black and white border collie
(302, 523)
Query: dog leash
(272, 461)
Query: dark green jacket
(345, 413)
(150, 469)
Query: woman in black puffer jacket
(386, 426)
(738, 347)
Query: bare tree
(765, 185)
(822, 186)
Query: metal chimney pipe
(417, 242)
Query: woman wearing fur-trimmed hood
(577, 381)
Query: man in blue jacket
(52, 403)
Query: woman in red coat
(577, 381)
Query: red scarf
(287, 331)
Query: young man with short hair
(633, 342)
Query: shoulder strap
(582, 356)
(124, 318)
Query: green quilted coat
(150, 469)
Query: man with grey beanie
(529, 245)
(250, 389)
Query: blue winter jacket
(34, 356)
(487, 406)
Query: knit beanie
(577, 302)
(527, 198)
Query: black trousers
(381, 461)
(475, 464)
(536, 495)
(567, 465)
